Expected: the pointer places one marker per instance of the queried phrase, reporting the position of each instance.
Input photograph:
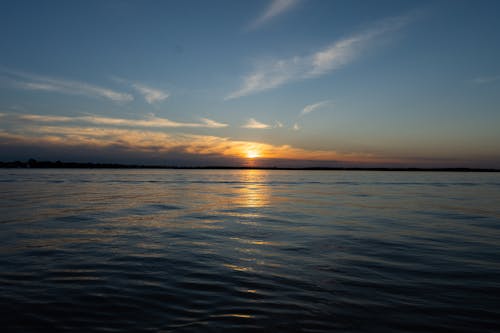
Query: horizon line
(32, 163)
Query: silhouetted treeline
(32, 163)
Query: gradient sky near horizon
(267, 82)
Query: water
(249, 250)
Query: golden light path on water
(251, 196)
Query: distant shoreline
(78, 165)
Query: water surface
(248, 250)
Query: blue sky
(413, 83)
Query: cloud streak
(486, 79)
(321, 62)
(45, 83)
(254, 124)
(275, 8)
(151, 122)
(313, 107)
(151, 95)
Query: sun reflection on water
(255, 191)
(251, 200)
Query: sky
(256, 83)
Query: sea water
(249, 250)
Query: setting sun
(252, 154)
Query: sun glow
(252, 153)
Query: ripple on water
(205, 250)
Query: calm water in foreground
(243, 250)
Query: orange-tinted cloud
(160, 142)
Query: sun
(252, 153)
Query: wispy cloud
(151, 122)
(212, 123)
(151, 95)
(296, 127)
(486, 79)
(275, 8)
(313, 107)
(254, 124)
(45, 83)
(321, 62)
(47, 118)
